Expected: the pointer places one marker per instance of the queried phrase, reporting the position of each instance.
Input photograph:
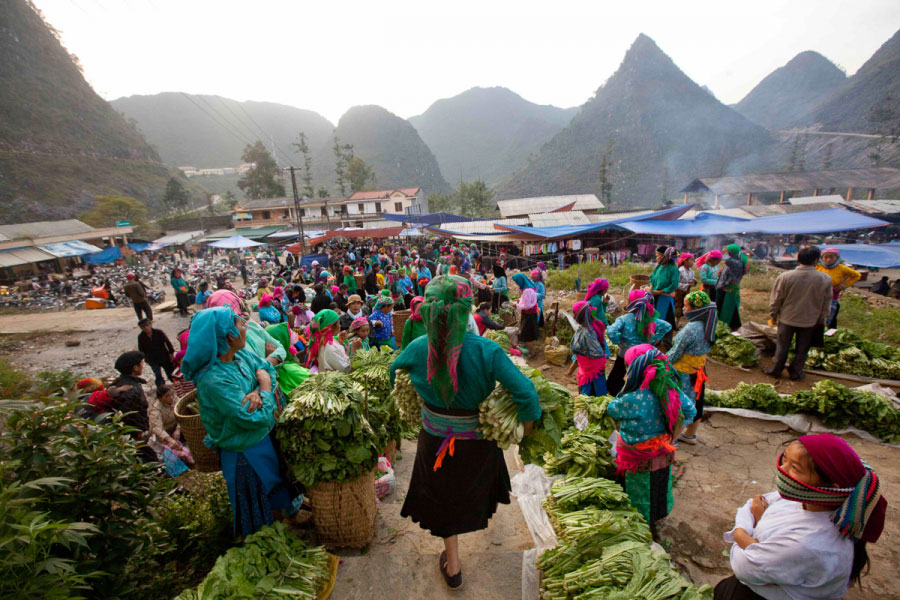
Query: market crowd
(245, 353)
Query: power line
(224, 119)
(216, 121)
(261, 132)
(252, 120)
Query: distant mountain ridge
(664, 130)
(487, 133)
(791, 91)
(60, 143)
(876, 84)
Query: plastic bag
(530, 487)
(386, 482)
(174, 465)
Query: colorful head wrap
(322, 334)
(445, 311)
(667, 252)
(89, 384)
(648, 368)
(711, 254)
(384, 300)
(266, 300)
(414, 304)
(641, 304)
(335, 289)
(522, 281)
(684, 257)
(535, 274)
(835, 263)
(702, 310)
(278, 292)
(735, 251)
(599, 286)
(859, 505)
(542, 265)
(282, 334)
(464, 268)
(358, 322)
(586, 315)
(209, 332)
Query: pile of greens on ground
(847, 352)
(564, 331)
(498, 416)
(371, 374)
(585, 452)
(604, 548)
(837, 406)
(323, 432)
(499, 336)
(272, 564)
(732, 349)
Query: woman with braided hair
(458, 477)
(650, 410)
(807, 539)
(688, 354)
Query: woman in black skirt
(459, 477)
(528, 307)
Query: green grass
(878, 324)
(618, 277)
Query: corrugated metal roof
(39, 229)
(179, 237)
(832, 198)
(604, 217)
(482, 226)
(72, 248)
(737, 213)
(887, 207)
(527, 206)
(572, 217)
(23, 256)
(875, 177)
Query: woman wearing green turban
(324, 354)
(728, 287)
(290, 374)
(454, 371)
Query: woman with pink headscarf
(639, 325)
(650, 410)
(709, 267)
(590, 351)
(807, 539)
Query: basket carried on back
(206, 460)
(390, 451)
(360, 281)
(400, 318)
(344, 513)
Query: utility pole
(297, 212)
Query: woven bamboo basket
(639, 280)
(400, 319)
(509, 319)
(344, 513)
(390, 451)
(206, 460)
(360, 281)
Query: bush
(100, 480)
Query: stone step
(486, 576)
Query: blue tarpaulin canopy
(813, 221)
(883, 256)
(559, 232)
(308, 259)
(70, 248)
(107, 255)
(236, 241)
(139, 246)
(428, 218)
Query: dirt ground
(734, 460)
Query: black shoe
(453, 582)
(799, 377)
(771, 373)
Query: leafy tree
(110, 209)
(360, 175)
(306, 178)
(605, 178)
(322, 192)
(176, 197)
(475, 199)
(438, 202)
(261, 180)
(229, 200)
(342, 156)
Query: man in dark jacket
(136, 291)
(127, 395)
(157, 350)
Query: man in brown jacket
(135, 290)
(799, 303)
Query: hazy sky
(403, 55)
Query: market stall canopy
(428, 218)
(883, 256)
(562, 232)
(107, 255)
(292, 233)
(814, 221)
(179, 237)
(375, 234)
(253, 233)
(71, 248)
(140, 246)
(23, 256)
(236, 241)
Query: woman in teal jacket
(237, 408)
(181, 291)
(663, 284)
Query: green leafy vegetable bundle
(271, 564)
(837, 406)
(733, 350)
(499, 336)
(847, 352)
(323, 432)
(407, 399)
(585, 453)
(498, 416)
(564, 331)
(370, 371)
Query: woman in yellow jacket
(842, 277)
